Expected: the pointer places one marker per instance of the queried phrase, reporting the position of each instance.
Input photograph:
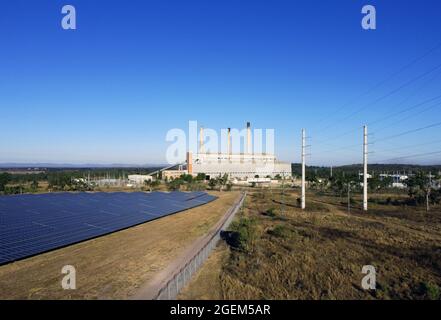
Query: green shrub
(174, 185)
(245, 231)
(196, 186)
(431, 290)
(279, 231)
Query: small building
(172, 174)
(255, 181)
(398, 180)
(361, 174)
(138, 179)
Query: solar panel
(35, 223)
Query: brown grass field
(319, 253)
(112, 266)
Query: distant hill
(40, 165)
(376, 168)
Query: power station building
(245, 165)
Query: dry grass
(113, 266)
(205, 284)
(319, 254)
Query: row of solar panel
(32, 224)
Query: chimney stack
(248, 150)
(189, 162)
(201, 141)
(229, 142)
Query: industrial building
(243, 166)
(138, 179)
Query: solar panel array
(36, 223)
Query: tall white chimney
(248, 150)
(201, 141)
(229, 142)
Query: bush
(13, 190)
(212, 184)
(431, 291)
(4, 179)
(245, 232)
(196, 186)
(174, 185)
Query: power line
(390, 115)
(379, 84)
(384, 96)
(408, 117)
(410, 146)
(409, 132)
(411, 156)
(394, 113)
(350, 147)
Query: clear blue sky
(109, 91)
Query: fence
(183, 274)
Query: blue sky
(109, 91)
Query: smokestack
(201, 141)
(229, 141)
(189, 162)
(248, 150)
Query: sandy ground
(116, 265)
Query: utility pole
(331, 171)
(349, 197)
(428, 192)
(282, 207)
(303, 169)
(365, 172)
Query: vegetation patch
(280, 231)
(311, 255)
(244, 232)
